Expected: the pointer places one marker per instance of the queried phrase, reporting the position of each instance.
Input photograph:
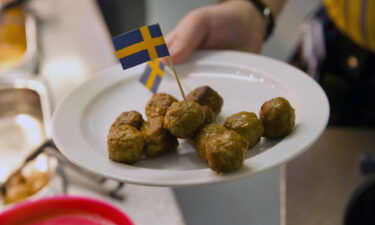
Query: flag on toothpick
(153, 74)
(140, 45)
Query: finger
(188, 35)
(170, 38)
(169, 41)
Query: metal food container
(24, 125)
(18, 43)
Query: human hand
(233, 24)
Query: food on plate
(183, 119)
(206, 96)
(131, 118)
(158, 140)
(278, 118)
(125, 144)
(247, 124)
(209, 115)
(226, 151)
(159, 104)
(201, 139)
(222, 147)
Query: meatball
(206, 96)
(226, 151)
(131, 118)
(159, 104)
(125, 144)
(247, 124)
(203, 135)
(183, 119)
(209, 115)
(158, 140)
(278, 118)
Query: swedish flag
(140, 45)
(153, 74)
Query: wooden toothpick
(177, 78)
(170, 72)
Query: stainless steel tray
(24, 121)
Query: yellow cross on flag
(140, 45)
(153, 74)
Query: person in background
(338, 49)
(337, 46)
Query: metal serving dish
(24, 121)
(24, 125)
(28, 63)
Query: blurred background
(142, 12)
(48, 47)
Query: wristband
(267, 14)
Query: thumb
(188, 35)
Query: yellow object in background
(355, 18)
(12, 37)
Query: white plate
(245, 81)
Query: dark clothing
(347, 75)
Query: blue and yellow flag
(140, 45)
(153, 74)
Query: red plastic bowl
(64, 210)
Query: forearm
(232, 24)
(274, 5)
